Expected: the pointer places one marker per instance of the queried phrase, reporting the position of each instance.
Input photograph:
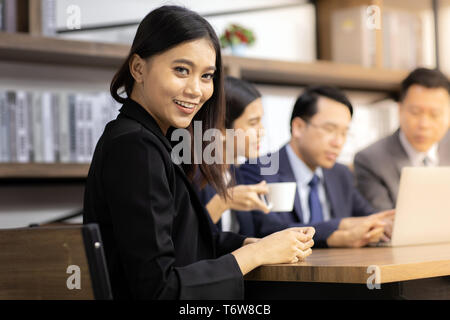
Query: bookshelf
(43, 170)
(23, 47)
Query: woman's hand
(247, 197)
(241, 197)
(287, 246)
(250, 241)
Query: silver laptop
(423, 207)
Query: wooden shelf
(43, 170)
(26, 48)
(319, 72)
(23, 47)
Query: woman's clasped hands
(287, 246)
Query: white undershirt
(417, 157)
(228, 219)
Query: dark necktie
(315, 208)
(426, 161)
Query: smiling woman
(182, 85)
(157, 235)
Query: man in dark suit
(423, 138)
(326, 197)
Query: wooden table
(411, 272)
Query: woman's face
(172, 86)
(249, 130)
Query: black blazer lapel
(135, 111)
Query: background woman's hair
(238, 95)
(161, 30)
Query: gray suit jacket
(378, 168)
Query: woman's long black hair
(161, 30)
(238, 95)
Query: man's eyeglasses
(331, 130)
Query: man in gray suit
(423, 138)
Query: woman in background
(156, 233)
(244, 112)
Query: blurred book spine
(5, 152)
(38, 155)
(9, 15)
(22, 135)
(2, 15)
(48, 11)
(14, 15)
(11, 100)
(52, 127)
(402, 37)
(64, 131)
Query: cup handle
(264, 199)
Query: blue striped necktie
(315, 208)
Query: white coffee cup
(281, 196)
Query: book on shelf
(72, 127)
(402, 37)
(64, 129)
(351, 40)
(4, 128)
(14, 15)
(2, 19)
(37, 124)
(47, 128)
(83, 123)
(52, 127)
(22, 126)
(11, 101)
(48, 12)
(9, 15)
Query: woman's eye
(181, 70)
(208, 76)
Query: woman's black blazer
(157, 236)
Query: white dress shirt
(228, 219)
(303, 176)
(416, 157)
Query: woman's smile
(186, 107)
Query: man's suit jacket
(378, 168)
(156, 233)
(245, 220)
(344, 199)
